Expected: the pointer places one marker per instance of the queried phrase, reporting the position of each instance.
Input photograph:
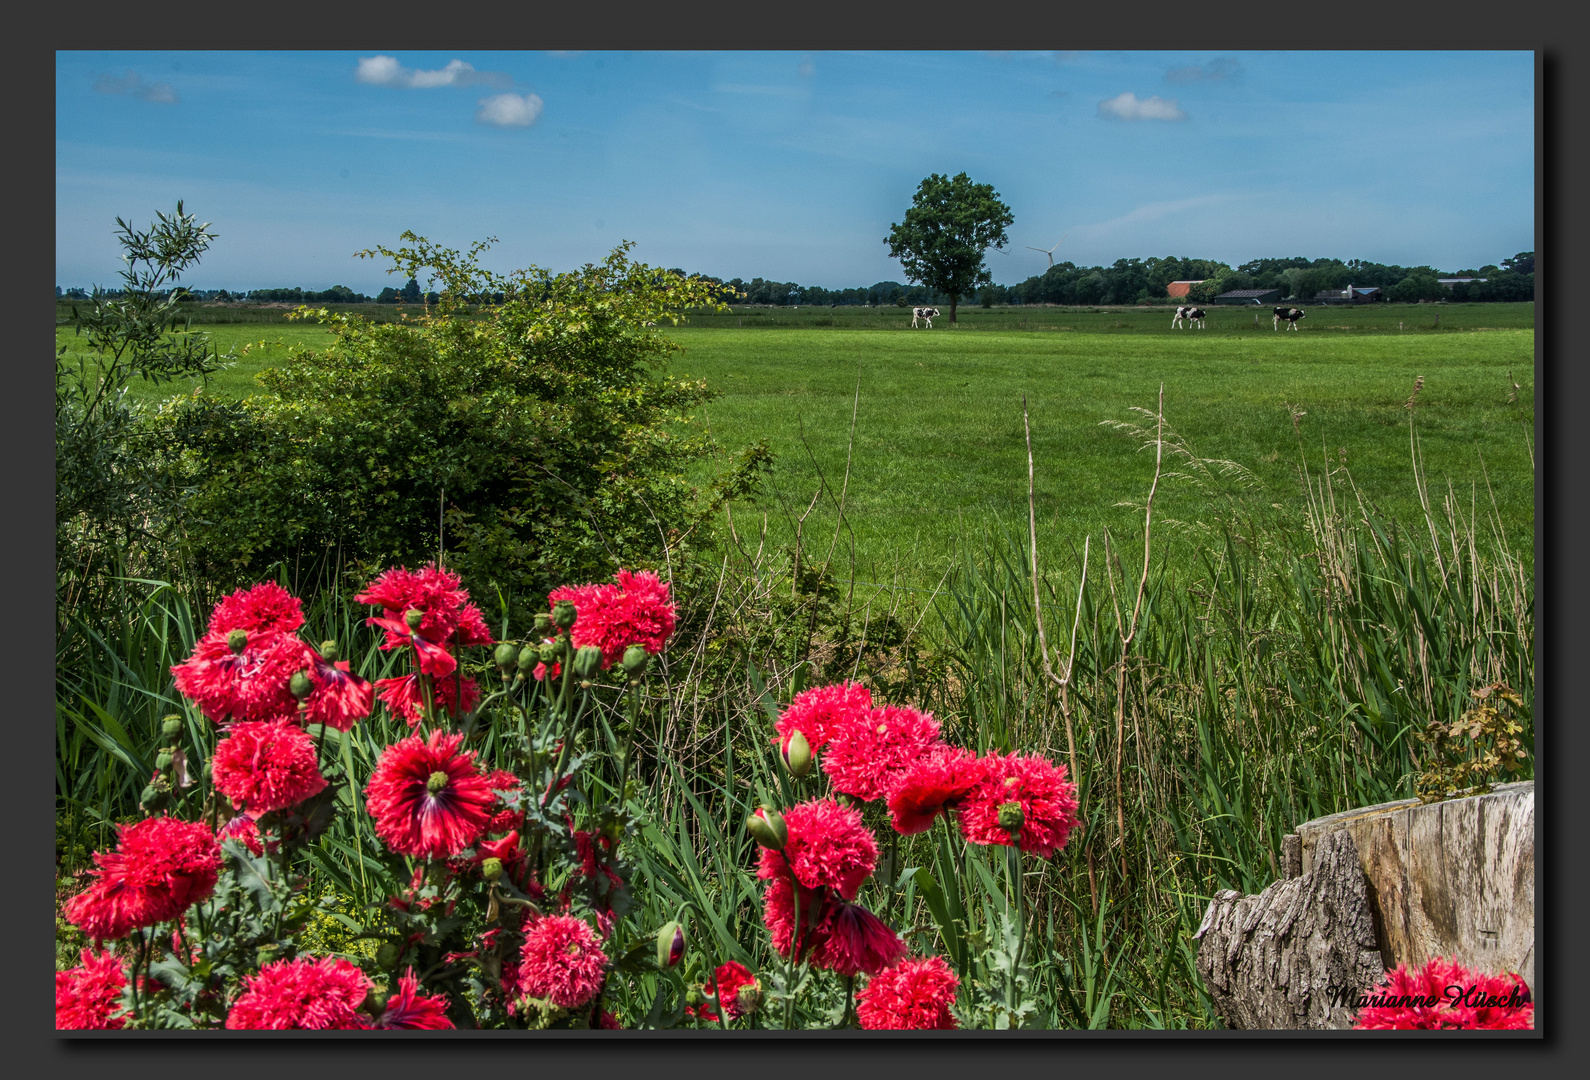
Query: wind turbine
(1049, 252)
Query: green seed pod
(375, 1001)
(1011, 816)
(543, 624)
(528, 657)
(563, 614)
(635, 660)
(588, 663)
(163, 760)
(328, 651)
(797, 754)
(749, 997)
(549, 653)
(491, 869)
(170, 726)
(670, 945)
(413, 617)
(153, 798)
(237, 640)
(300, 685)
(388, 955)
(506, 656)
(767, 827)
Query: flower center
(437, 782)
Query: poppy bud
(163, 761)
(388, 955)
(491, 869)
(549, 652)
(528, 657)
(413, 617)
(300, 685)
(171, 725)
(1011, 816)
(237, 640)
(563, 614)
(543, 624)
(153, 798)
(328, 651)
(587, 663)
(749, 997)
(797, 754)
(767, 827)
(635, 659)
(506, 656)
(670, 945)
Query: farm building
(1248, 296)
(1180, 288)
(1353, 294)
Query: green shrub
(532, 440)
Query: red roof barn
(1180, 288)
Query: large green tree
(949, 226)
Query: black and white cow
(1196, 315)
(1291, 315)
(1181, 313)
(925, 314)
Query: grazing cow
(1291, 315)
(1196, 315)
(925, 314)
(1181, 313)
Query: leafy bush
(532, 440)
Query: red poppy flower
(817, 713)
(160, 867)
(828, 846)
(915, 995)
(435, 593)
(410, 1010)
(561, 960)
(637, 610)
(265, 607)
(731, 978)
(302, 994)
(244, 827)
(932, 784)
(340, 699)
(867, 753)
(851, 940)
(426, 798)
(247, 685)
(606, 1021)
(404, 697)
(778, 912)
(265, 765)
(1047, 799)
(1445, 995)
(89, 997)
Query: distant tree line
(1127, 281)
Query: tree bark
(1299, 954)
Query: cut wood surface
(1453, 878)
(1297, 955)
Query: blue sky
(790, 165)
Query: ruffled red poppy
(932, 784)
(265, 607)
(265, 765)
(403, 696)
(867, 754)
(89, 997)
(426, 798)
(818, 712)
(914, 995)
(340, 698)
(561, 960)
(247, 685)
(635, 610)
(1047, 799)
(302, 994)
(160, 867)
(828, 847)
(850, 940)
(1444, 995)
(732, 977)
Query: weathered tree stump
(1298, 954)
(1454, 878)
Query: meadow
(1303, 615)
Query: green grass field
(939, 453)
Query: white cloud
(386, 71)
(1224, 67)
(1127, 107)
(509, 110)
(160, 93)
